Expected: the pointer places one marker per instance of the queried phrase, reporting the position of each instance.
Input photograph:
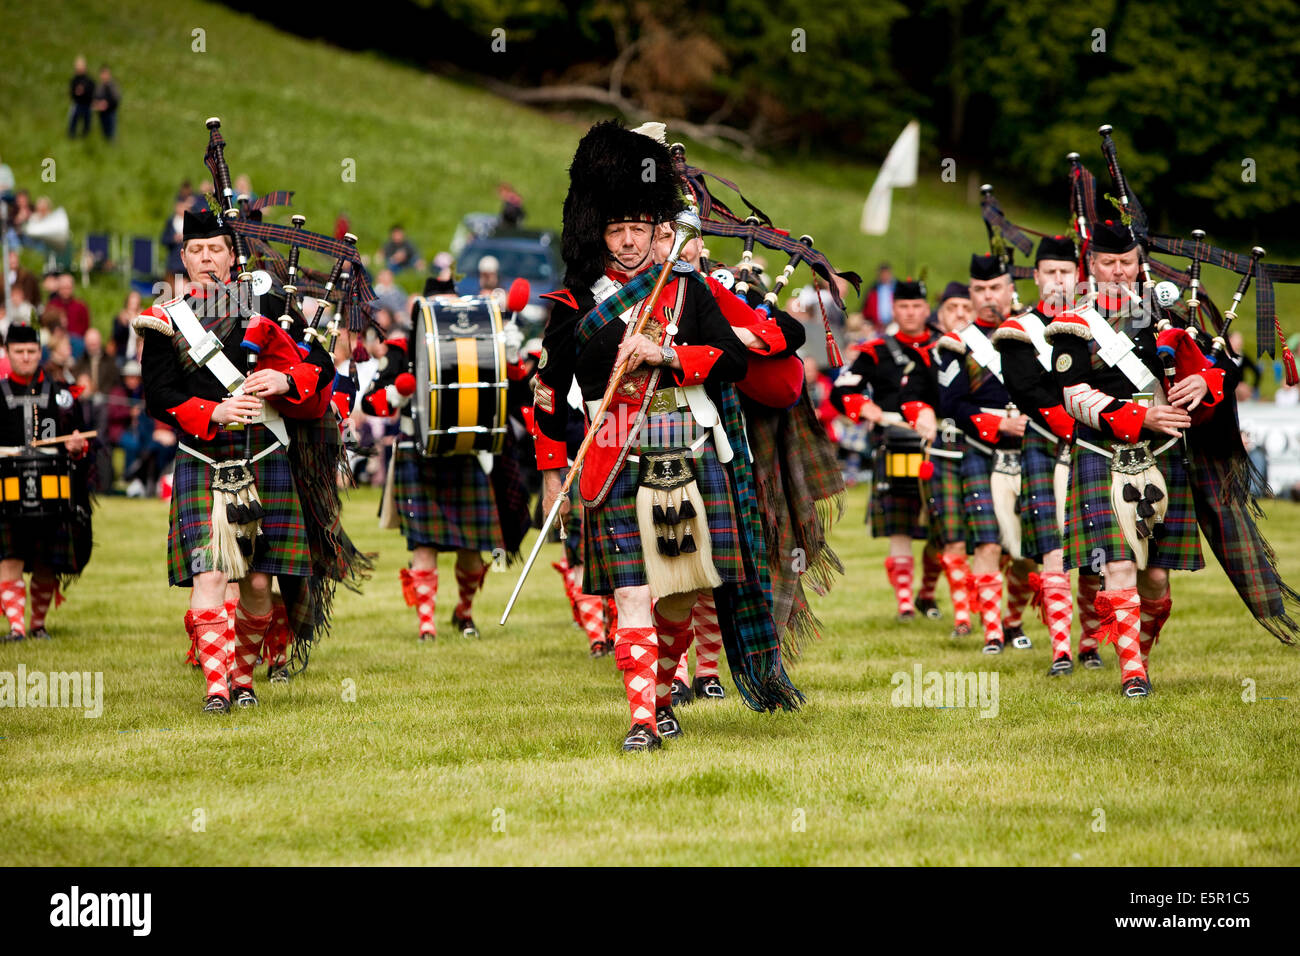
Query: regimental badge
(1063, 363)
(541, 362)
(63, 399)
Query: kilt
(1090, 523)
(977, 500)
(892, 511)
(1038, 531)
(446, 503)
(947, 516)
(284, 549)
(611, 537)
(40, 541)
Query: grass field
(505, 750)
(425, 149)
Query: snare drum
(459, 404)
(902, 455)
(35, 486)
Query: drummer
(55, 546)
(471, 504)
(887, 385)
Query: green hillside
(426, 149)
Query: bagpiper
(973, 395)
(1130, 512)
(235, 510)
(947, 526)
(1045, 448)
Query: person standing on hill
(82, 92)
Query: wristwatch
(669, 355)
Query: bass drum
(459, 404)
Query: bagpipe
(1201, 343)
(343, 295)
(717, 219)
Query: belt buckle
(665, 400)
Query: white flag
(899, 169)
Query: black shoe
(465, 625)
(215, 704)
(278, 675)
(708, 688)
(39, 634)
(1016, 637)
(1061, 667)
(641, 737)
(906, 616)
(681, 695)
(929, 609)
(666, 723)
(960, 631)
(993, 647)
(601, 648)
(1091, 660)
(1136, 687)
(429, 636)
(243, 697)
(15, 635)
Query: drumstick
(57, 439)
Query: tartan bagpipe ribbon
(359, 295)
(717, 219)
(749, 631)
(356, 299)
(1266, 273)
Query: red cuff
(550, 453)
(304, 378)
(1126, 421)
(697, 361)
(987, 426)
(1058, 420)
(516, 372)
(912, 410)
(1213, 378)
(342, 404)
(194, 415)
(769, 333)
(853, 406)
(376, 403)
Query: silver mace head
(687, 227)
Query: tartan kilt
(947, 515)
(284, 549)
(446, 503)
(1038, 531)
(977, 500)
(43, 541)
(611, 537)
(894, 512)
(1090, 523)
